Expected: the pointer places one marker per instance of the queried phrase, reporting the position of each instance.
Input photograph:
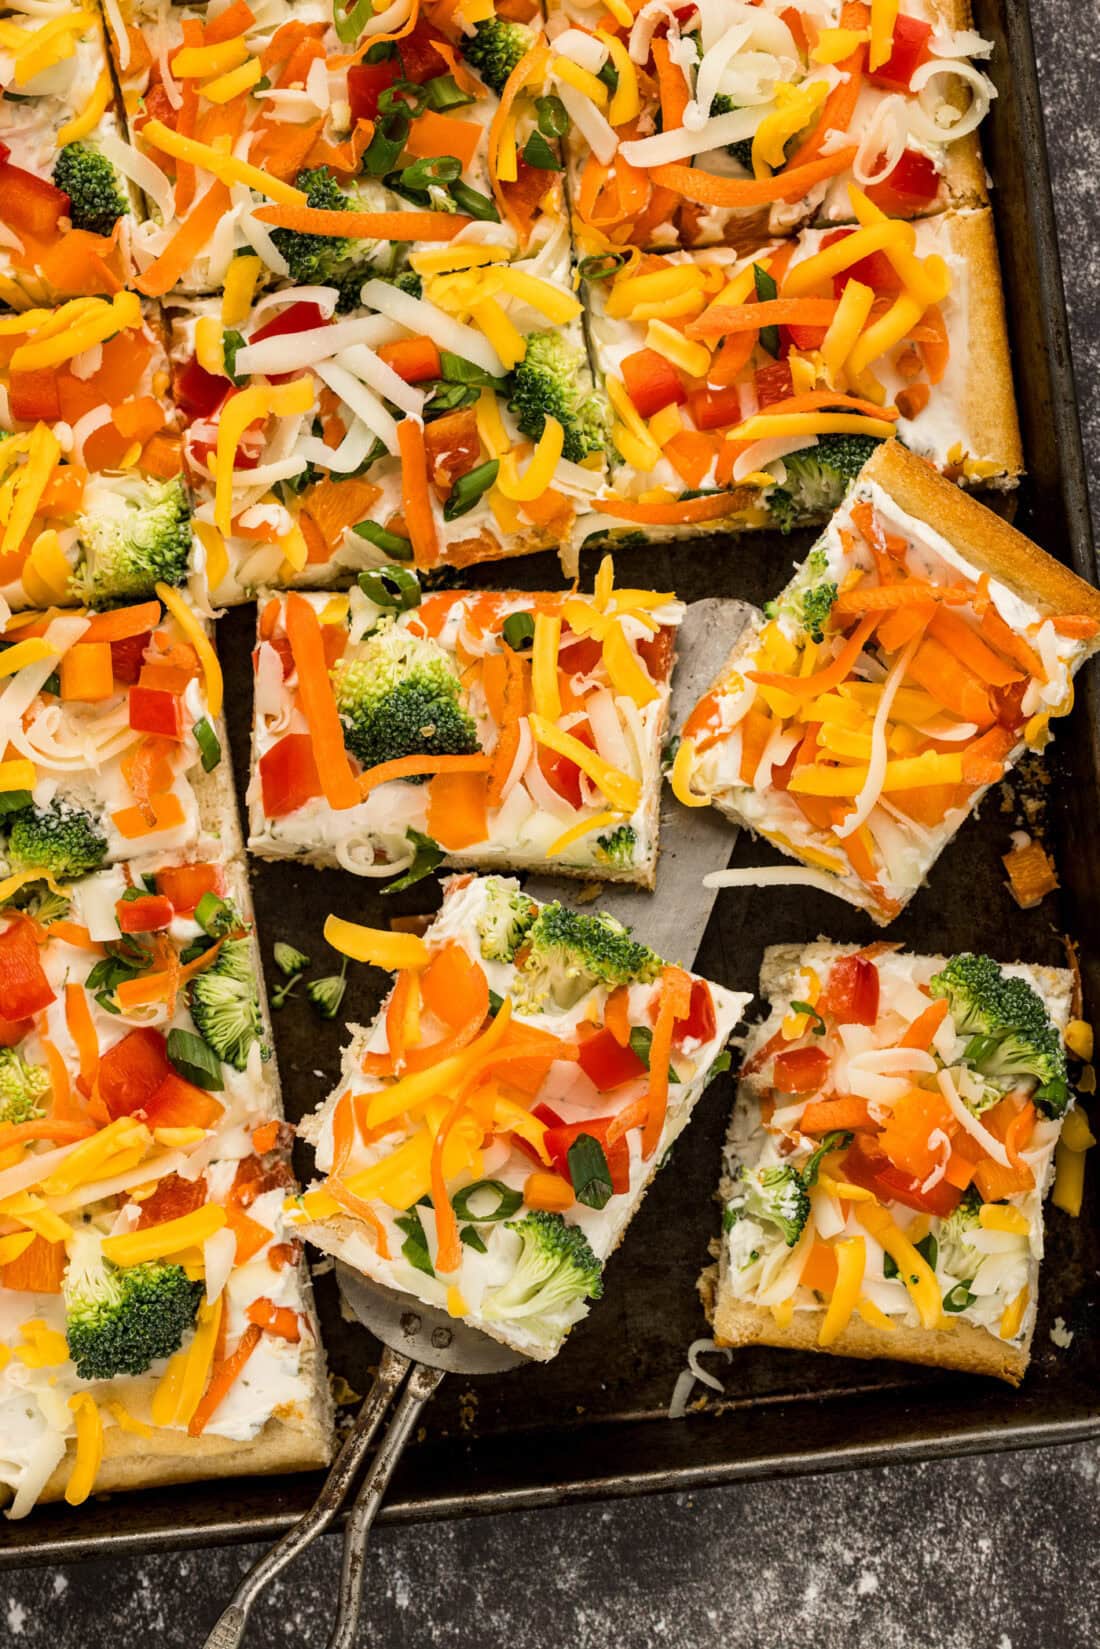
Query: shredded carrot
(672, 84)
(920, 1032)
(448, 1245)
(815, 398)
(822, 1115)
(840, 105)
(631, 1116)
(61, 1092)
(406, 767)
(416, 498)
(360, 1210)
(312, 220)
(721, 322)
(511, 707)
(822, 681)
(163, 985)
(61, 1132)
(955, 633)
(281, 1320)
(707, 189)
(674, 1003)
(81, 1028)
(530, 69)
(1005, 640)
(318, 703)
(1078, 626)
(676, 511)
(186, 244)
(123, 622)
(265, 1137)
(882, 598)
(74, 933)
(616, 1015)
(222, 1378)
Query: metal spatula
(423, 1343)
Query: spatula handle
(421, 1385)
(229, 1630)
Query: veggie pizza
(553, 1060)
(892, 1142)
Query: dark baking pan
(593, 1422)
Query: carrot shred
(675, 511)
(312, 220)
(720, 321)
(616, 1015)
(186, 244)
(707, 189)
(822, 1115)
(672, 85)
(1078, 626)
(822, 681)
(674, 1003)
(920, 1032)
(81, 1028)
(318, 704)
(971, 650)
(55, 1128)
(407, 767)
(416, 498)
(840, 105)
(881, 598)
(222, 1378)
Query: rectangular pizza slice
(67, 215)
(252, 129)
(450, 418)
(498, 730)
(156, 1318)
(749, 390)
(723, 123)
(496, 1128)
(93, 505)
(111, 727)
(890, 1148)
(920, 649)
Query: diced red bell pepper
(561, 772)
(184, 885)
(288, 775)
(4, 152)
(173, 1198)
(715, 408)
(910, 50)
(652, 382)
(199, 393)
(875, 270)
(413, 359)
(12, 1031)
(851, 991)
(419, 57)
(31, 203)
(299, 317)
(366, 83)
(864, 1165)
(559, 1139)
(606, 1064)
(148, 914)
(579, 655)
(33, 397)
(131, 1072)
(179, 1104)
(152, 710)
(909, 187)
(24, 988)
(128, 656)
(773, 383)
(700, 1024)
(800, 1070)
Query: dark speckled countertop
(997, 1552)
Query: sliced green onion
(415, 1246)
(396, 588)
(432, 169)
(209, 744)
(766, 290)
(641, 1040)
(552, 116)
(447, 398)
(609, 74)
(518, 631)
(405, 95)
(14, 801)
(456, 369)
(384, 149)
(958, 1298)
(496, 1002)
(381, 52)
(194, 1060)
(719, 1064)
(350, 24)
(818, 1026)
(390, 543)
(427, 856)
(474, 205)
(538, 153)
(589, 1171)
(231, 342)
(836, 1140)
(601, 266)
(469, 488)
(472, 1237)
(444, 92)
(508, 1201)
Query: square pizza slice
(749, 390)
(726, 123)
(111, 724)
(494, 1131)
(156, 1317)
(309, 142)
(890, 1149)
(497, 729)
(449, 419)
(919, 650)
(93, 505)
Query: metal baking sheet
(593, 1423)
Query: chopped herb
(818, 1026)
(766, 290)
(589, 1172)
(194, 1060)
(415, 1246)
(427, 856)
(508, 1201)
(641, 1040)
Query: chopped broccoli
(556, 1272)
(325, 260)
(955, 1255)
(817, 478)
(505, 920)
(1013, 1036)
(95, 191)
(401, 697)
(23, 1086)
(494, 49)
(809, 600)
(60, 838)
(225, 1005)
(571, 951)
(775, 1196)
(550, 381)
(618, 847)
(137, 535)
(120, 1321)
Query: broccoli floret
(325, 260)
(225, 1004)
(550, 381)
(817, 478)
(809, 601)
(137, 536)
(617, 847)
(571, 951)
(772, 1196)
(120, 1320)
(23, 1086)
(1012, 1035)
(60, 838)
(495, 48)
(401, 697)
(556, 1272)
(955, 1255)
(94, 188)
(505, 920)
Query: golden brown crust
(980, 535)
(991, 429)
